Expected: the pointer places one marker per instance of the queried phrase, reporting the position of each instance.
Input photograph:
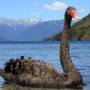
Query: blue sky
(45, 9)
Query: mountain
(2, 39)
(42, 30)
(28, 29)
(79, 31)
(28, 21)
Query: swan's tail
(1, 71)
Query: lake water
(49, 52)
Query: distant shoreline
(28, 42)
(38, 42)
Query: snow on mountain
(34, 29)
(28, 21)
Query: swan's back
(35, 68)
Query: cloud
(57, 5)
(83, 10)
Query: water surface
(49, 52)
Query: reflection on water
(16, 87)
(80, 53)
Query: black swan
(36, 73)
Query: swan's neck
(68, 67)
(67, 22)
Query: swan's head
(69, 14)
(71, 11)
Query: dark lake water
(49, 52)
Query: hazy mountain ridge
(40, 31)
(25, 30)
(28, 21)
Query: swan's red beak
(74, 14)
